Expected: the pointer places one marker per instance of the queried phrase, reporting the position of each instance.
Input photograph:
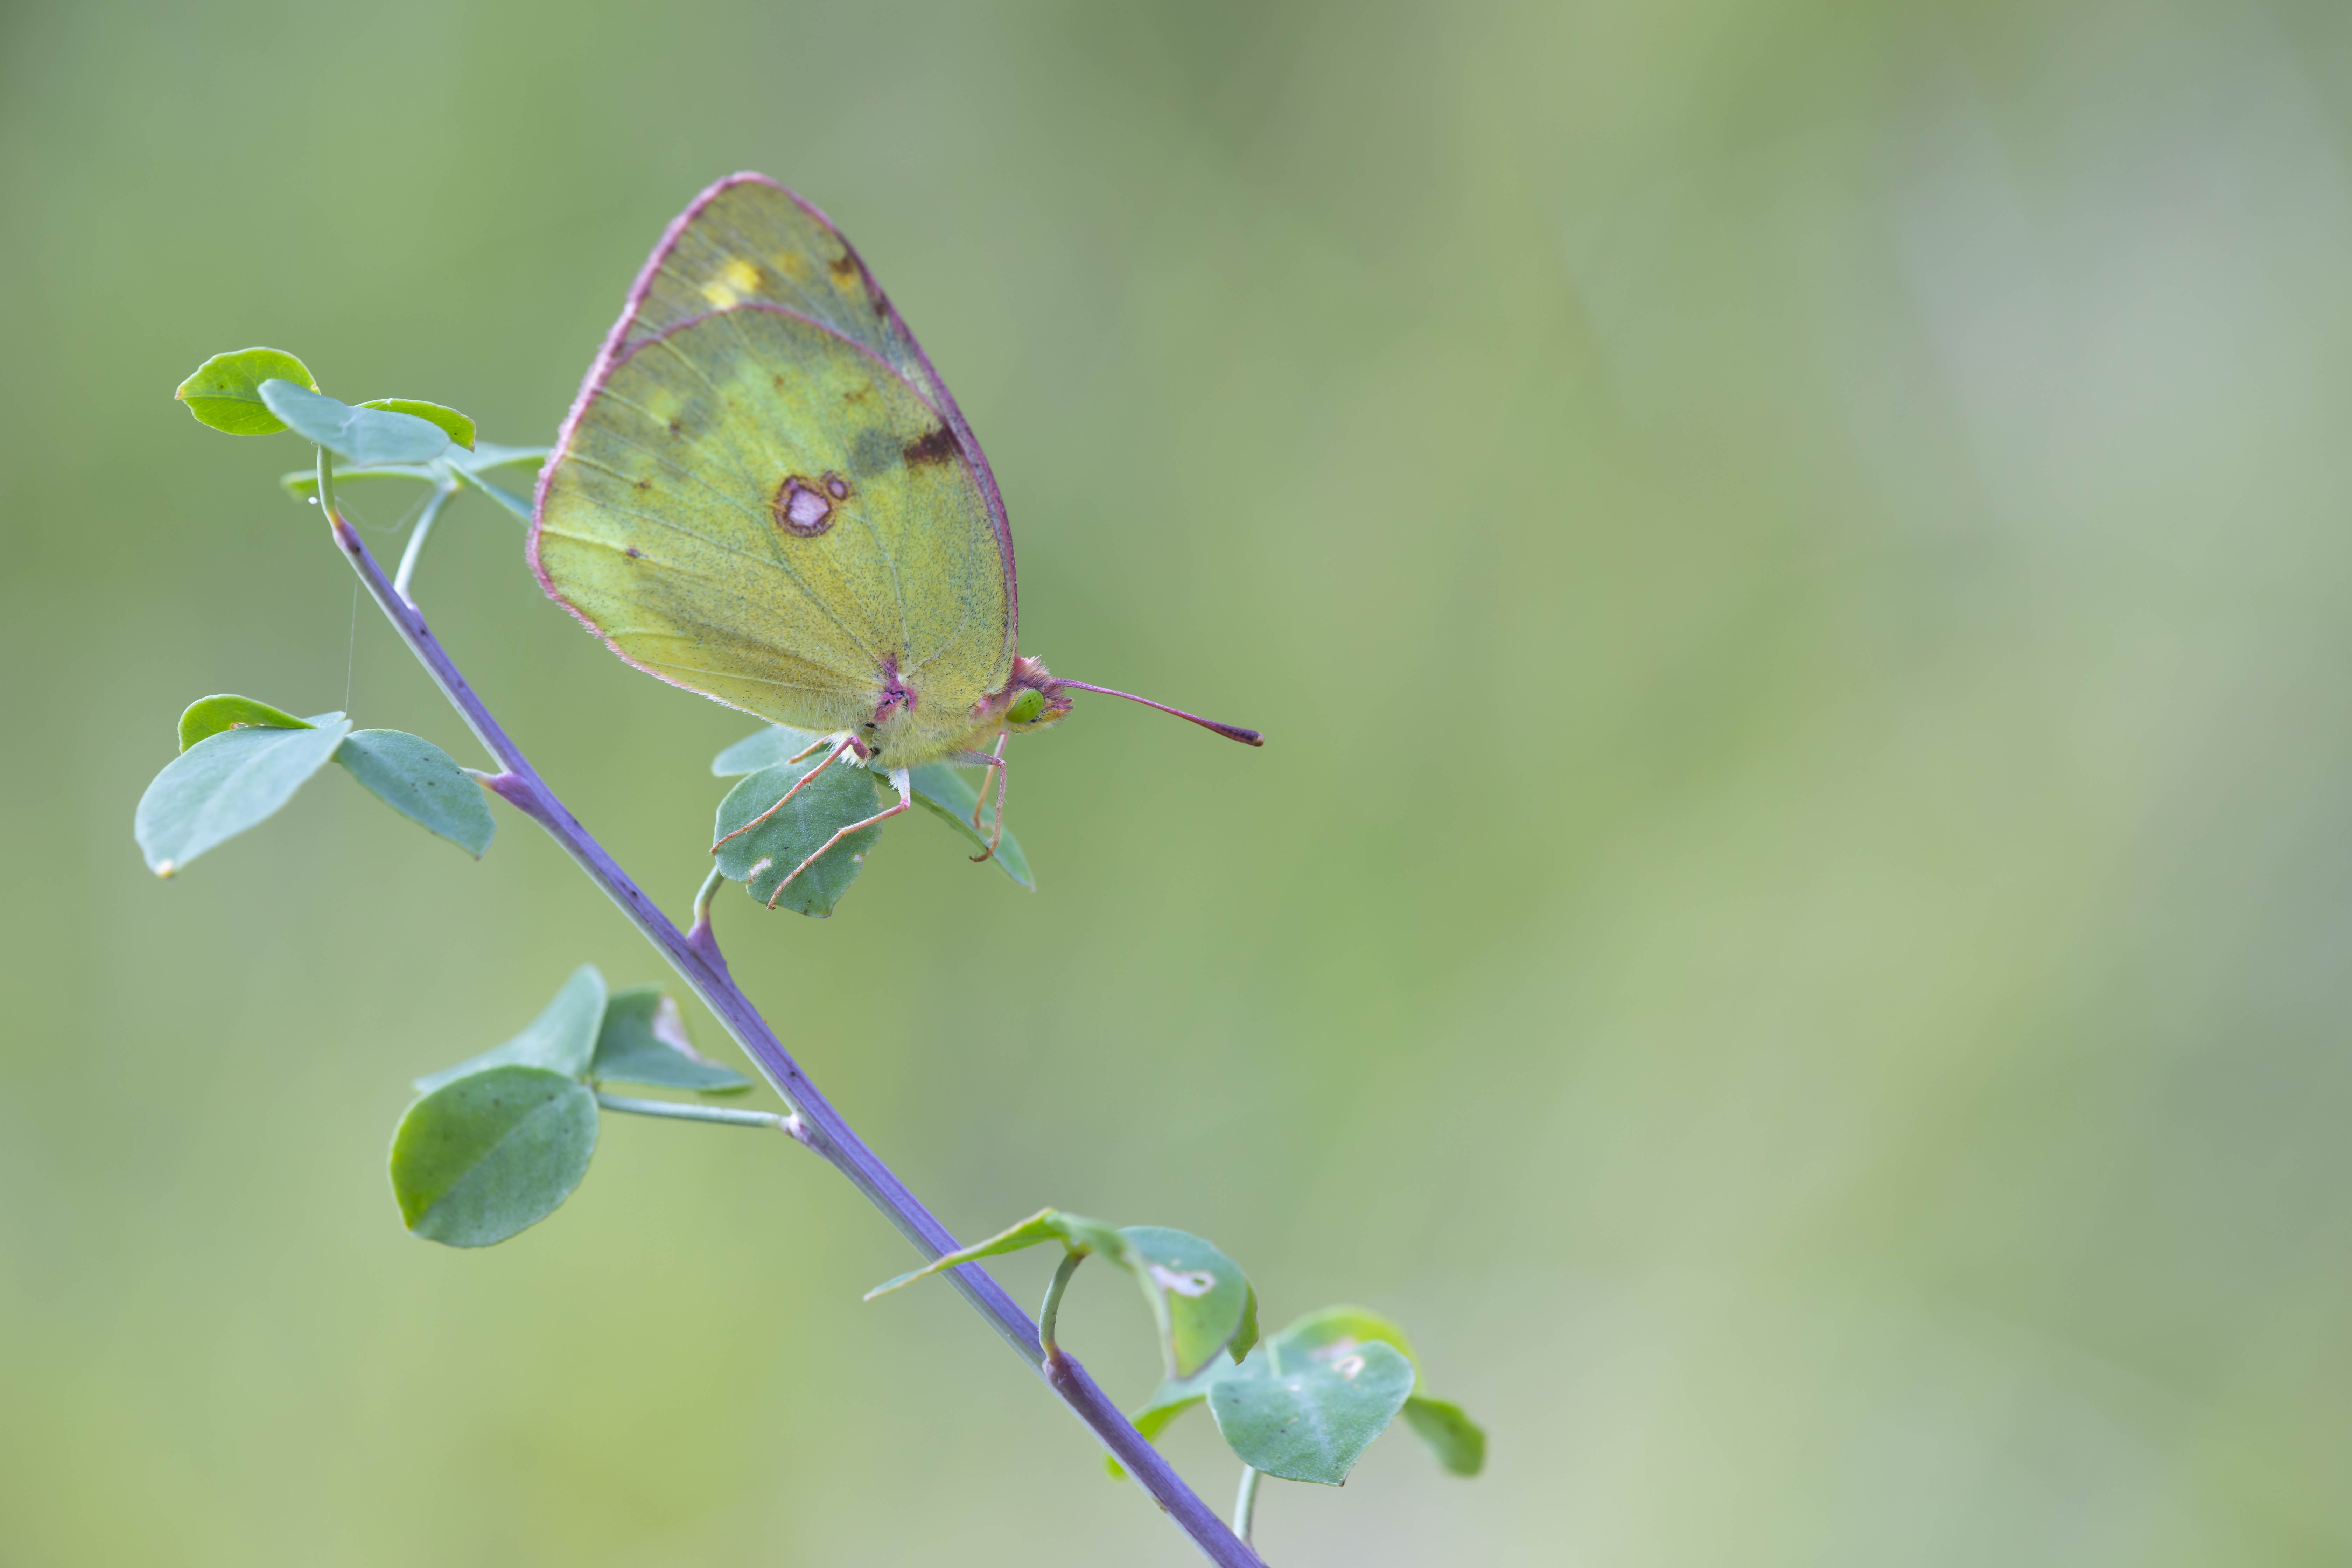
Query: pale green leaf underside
(361, 435)
(765, 856)
(562, 1038)
(228, 783)
(490, 1155)
(643, 1040)
(1310, 1419)
(419, 779)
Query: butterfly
(764, 493)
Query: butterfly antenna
(1230, 732)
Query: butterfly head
(1031, 699)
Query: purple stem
(696, 959)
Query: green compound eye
(1026, 707)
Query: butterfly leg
(900, 782)
(840, 745)
(1002, 778)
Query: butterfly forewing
(765, 494)
(747, 238)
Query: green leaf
(470, 467)
(209, 716)
(1246, 1336)
(1461, 1445)
(765, 749)
(1309, 1417)
(478, 1159)
(1343, 1325)
(417, 779)
(225, 391)
(644, 1041)
(362, 435)
(1198, 1295)
(1076, 1232)
(226, 784)
(763, 858)
(946, 794)
(460, 428)
(562, 1038)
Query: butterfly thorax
(901, 732)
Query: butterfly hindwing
(755, 508)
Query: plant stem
(699, 963)
(1051, 1313)
(442, 491)
(1245, 1503)
(684, 1110)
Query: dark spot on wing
(634, 553)
(837, 485)
(802, 508)
(845, 267)
(645, 484)
(676, 428)
(937, 447)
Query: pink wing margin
(619, 346)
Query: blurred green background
(1792, 925)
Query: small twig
(822, 1127)
(406, 572)
(686, 1110)
(1245, 1503)
(1051, 1313)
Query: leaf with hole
(228, 783)
(1308, 1416)
(362, 435)
(225, 391)
(1459, 1444)
(950, 796)
(562, 1038)
(459, 428)
(208, 716)
(419, 779)
(490, 1154)
(1198, 1295)
(763, 857)
(1075, 1232)
(644, 1041)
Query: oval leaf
(226, 784)
(1310, 1421)
(763, 858)
(1460, 1444)
(644, 1041)
(561, 1039)
(776, 743)
(1198, 1295)
(417, 779)
(362, 435)
(460, 428)
(482, 1158)
(950, 796)
(208, 716)
(225, 391)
